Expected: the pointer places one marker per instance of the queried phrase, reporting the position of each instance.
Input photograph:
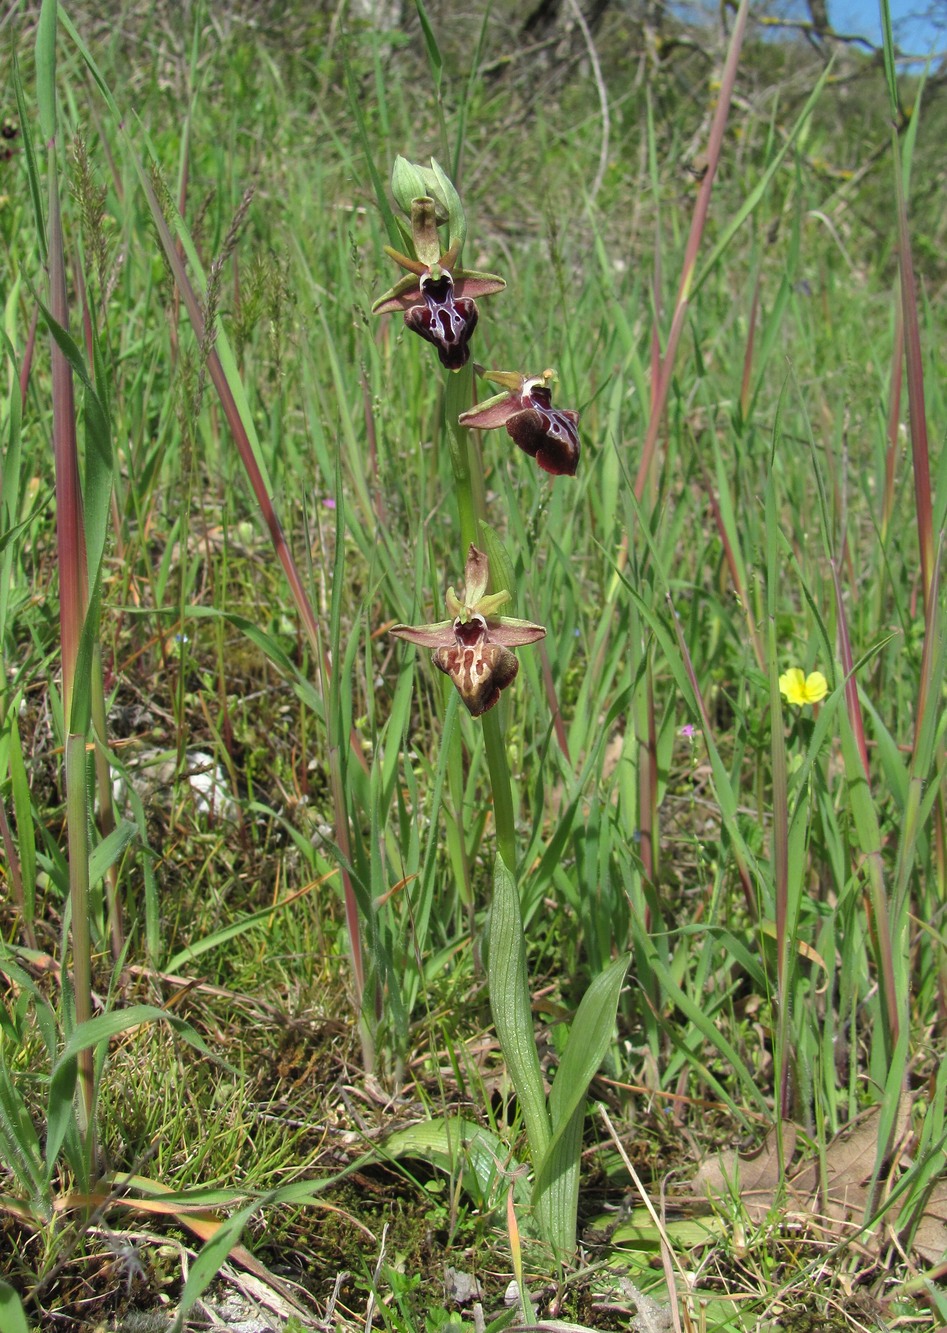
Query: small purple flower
(688, 730)
(546, 433)
(474, 647)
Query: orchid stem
(470, 491)
(457, 398)
(502, 789)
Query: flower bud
(410, 181)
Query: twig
(668, 1259)
(602, 97)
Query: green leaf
(20, 1149)
(23, 808)
(29, 157)
(60, 1110)
(12, 1318)
(434, 57)
(229, 932)
(556, 1187)
(891, 73)
(460, 1147)
(512, 1011)
(11, 533)
(588, 1042)
(105, 1026)
(214, 1253)
(108, 851)
(354, 92)
(556, 1191)
(46, 69)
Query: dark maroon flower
(436, 295)
(474, 647)
(546, 433)
(444, 320)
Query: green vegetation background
(781, 397)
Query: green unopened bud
(456, 219)
(410, 181)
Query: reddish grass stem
(715, 143)
(73, 607)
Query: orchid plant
(473, 647)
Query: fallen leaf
(755, 1176)
(930, 1234)
(461, 1288)
(834, 1194)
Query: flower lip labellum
(444, 320)
(479, 668)
(546, 433)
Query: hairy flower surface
(800, 689)
(548, 434)
(473, 648)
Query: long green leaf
(555, 1192)
(230, 932)
(463, 1148)
(46, 69)
(19, 1146)
(29, 156)
(512, 1011)
(434, 58)
(207, 1264)
(110, 849)
(105, 1026)
(589, 1039)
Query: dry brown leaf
(849, 1163)
(840, 1208)
(756, 1176)
(930, 1234)
(930, 1239)
(850, 1159)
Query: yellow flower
(800, 689)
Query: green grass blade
(589, 1038)
(20, 1148)
(212, 1254)
(109, 851)
(434, 58)
(106, 1026)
